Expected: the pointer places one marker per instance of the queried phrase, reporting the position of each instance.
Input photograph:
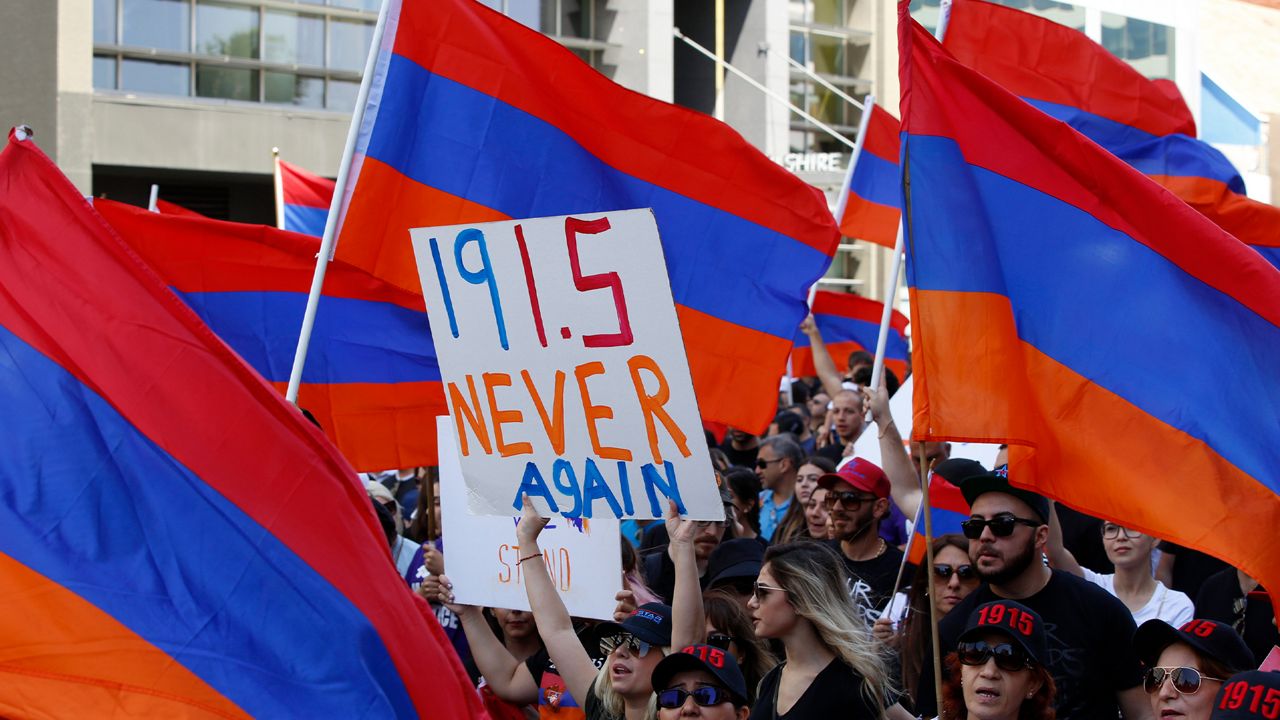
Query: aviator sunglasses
(705, 696)
(1186, 680)
(1001, 525)
(1009, 658)
(635, 645)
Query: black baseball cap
(974, 480)
(735, 559)
(719, 663)
(1207, 637)
(651, 622)
(1235, 702)
(1017, 621)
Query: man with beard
(1090, 655)
(858, 500)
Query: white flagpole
(277, 180)
(842, 202)
(153, 203)
(331, 224)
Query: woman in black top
(833, 667)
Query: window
(822, 41)
(235, 49)
(580, 25)
(1147, 46)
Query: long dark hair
(421, 529)
(724, 612)
(917, 634)
(1037, 707)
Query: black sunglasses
(1186, 680)
(1001, 525)
(945, 571)
(719, 640)
(1009, 658)
(705, 696)
(848, 500)
(762, 463)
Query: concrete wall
(644, 62)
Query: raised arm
(688, 624)
(509, 678)
(1059, 556)
(554, 624)
(904, 478)
(832, 383)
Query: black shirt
(836, 692)
(1089, 634)
(1221, 599)
(872, 580)
(1191, 568)
(741, 458)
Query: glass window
(104, 72)
(1142, 44)
(526, 12)
(159, 24)
(104, 21)
(230, 30)
(155, 77)
(828, 55)
(349, 44)
(225, 82)
(292, 89)
(570, 18)
(342, 95)
(798, 52)
(292, 38)
(357, 4)
(829, 12)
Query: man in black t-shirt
(1089, 631)
(858, 499)
(1226, 597)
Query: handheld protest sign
(564, 367)
(583, 557)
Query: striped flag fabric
(168, 208)
(305, 200)
(1143, 122)
(871, 210)
(473, 117)
(849, 323)
(371, 378)
(1067, 305)
(175, 539)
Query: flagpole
(933, 607)
(843, 201)
(278, 182)
(331, 223)
(153, 203)
(886, 314)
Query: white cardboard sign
(564, 367)
(582, 556)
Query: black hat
(975, 480)
(651, 622)
(720, 663)
(734, 559)
(1240, 694)
(1207, 637)
(1022, 624)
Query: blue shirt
(771, 514)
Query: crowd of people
(802, 602)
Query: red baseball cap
(862, 474)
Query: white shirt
(1168, 605)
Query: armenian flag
(849, 323)
(371, 378)
(473, 117)
(305, 199)
(176, 540)
(1122, 343)
(871, 209)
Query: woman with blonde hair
(832, 667)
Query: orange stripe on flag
(70, 659)
(870, 221)
(721, 370)
(388, 203)
(1084, 432)
(378, 426)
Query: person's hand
(626, 605)
(808, 326)
(433, 559)
(680, 531)
(530, 525)
(883, 630)
(877, 403)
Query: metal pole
(891, 291)
(278, 182)
(331, 224)
(754, 83)
(719, 106)
(153, 203)
(933, 608)
(824, 83)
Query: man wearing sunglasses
(777, 465)
(1087, 630)
(858, 501)
(700, 681)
